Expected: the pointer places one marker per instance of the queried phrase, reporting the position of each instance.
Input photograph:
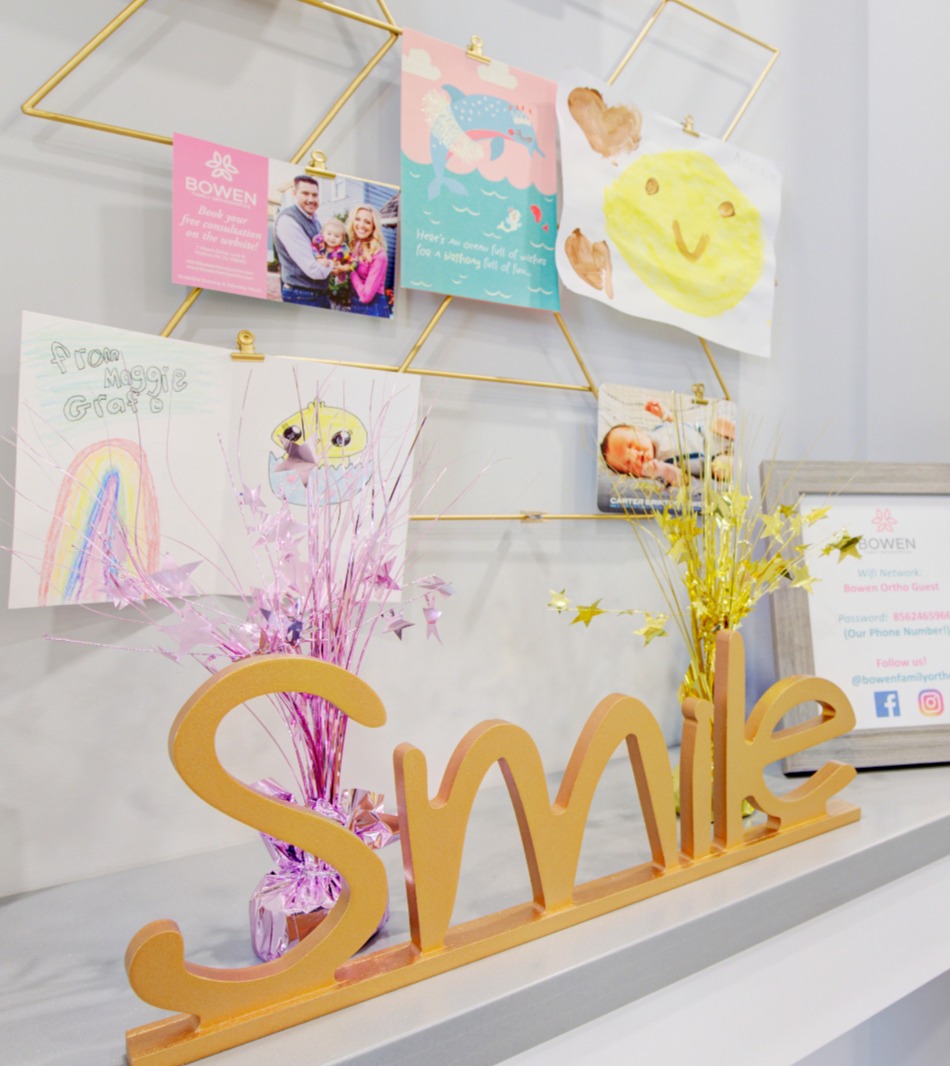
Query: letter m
(432, 832)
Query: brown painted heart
(609, 130)
(591, 262)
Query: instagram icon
(930, 701)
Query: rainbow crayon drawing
(105, 512)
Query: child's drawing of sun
(686, 231)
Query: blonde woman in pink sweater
(368, 249)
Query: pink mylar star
(436, 584)
(251, 498)
(281, 530)
(432, 615)
(175, 580)
(121, 589)
(191, 631)
(384, 578)
(292, 573)
(396, 624)
(300, 459)
(246, 637)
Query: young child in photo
(666, 450)
(331, 247)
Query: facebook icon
(887, 705)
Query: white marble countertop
(64, 1000)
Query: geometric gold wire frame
(393, 31)
(651, 21)
(30, 106)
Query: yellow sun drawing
(686, 231)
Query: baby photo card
(650, 441)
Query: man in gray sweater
(303, 279)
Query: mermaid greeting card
(662, 223)
(479, 177)
(137, 453)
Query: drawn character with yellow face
(686, 231)
(322, 442)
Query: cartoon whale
(457, 123)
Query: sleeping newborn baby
(666, 450)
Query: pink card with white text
(219, 228)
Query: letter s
(155, 959)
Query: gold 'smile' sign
(221, 1008)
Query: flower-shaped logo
(883, 521)
(221, 166)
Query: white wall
(85, 783)
(908, 220)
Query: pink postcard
(262, 227)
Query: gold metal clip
(533, 516)
(318, 165)
(688, 126)
(246, 349)
(474, 50)
(699, 393)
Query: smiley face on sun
(686, 231)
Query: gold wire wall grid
(688, 122)
(317, 165)
(406, 366)
(651, 22)
(29, 107)
(318, 160)
(386, 23)
(223, 1008)
(525, 517)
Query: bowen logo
(883, 520)
(222, 166)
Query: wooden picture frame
(784, 483)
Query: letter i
(696, 778)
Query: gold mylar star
(844, 545)
(804, 580)
(558, 601)
(588, 613)
(655, 626)
(772, 525)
